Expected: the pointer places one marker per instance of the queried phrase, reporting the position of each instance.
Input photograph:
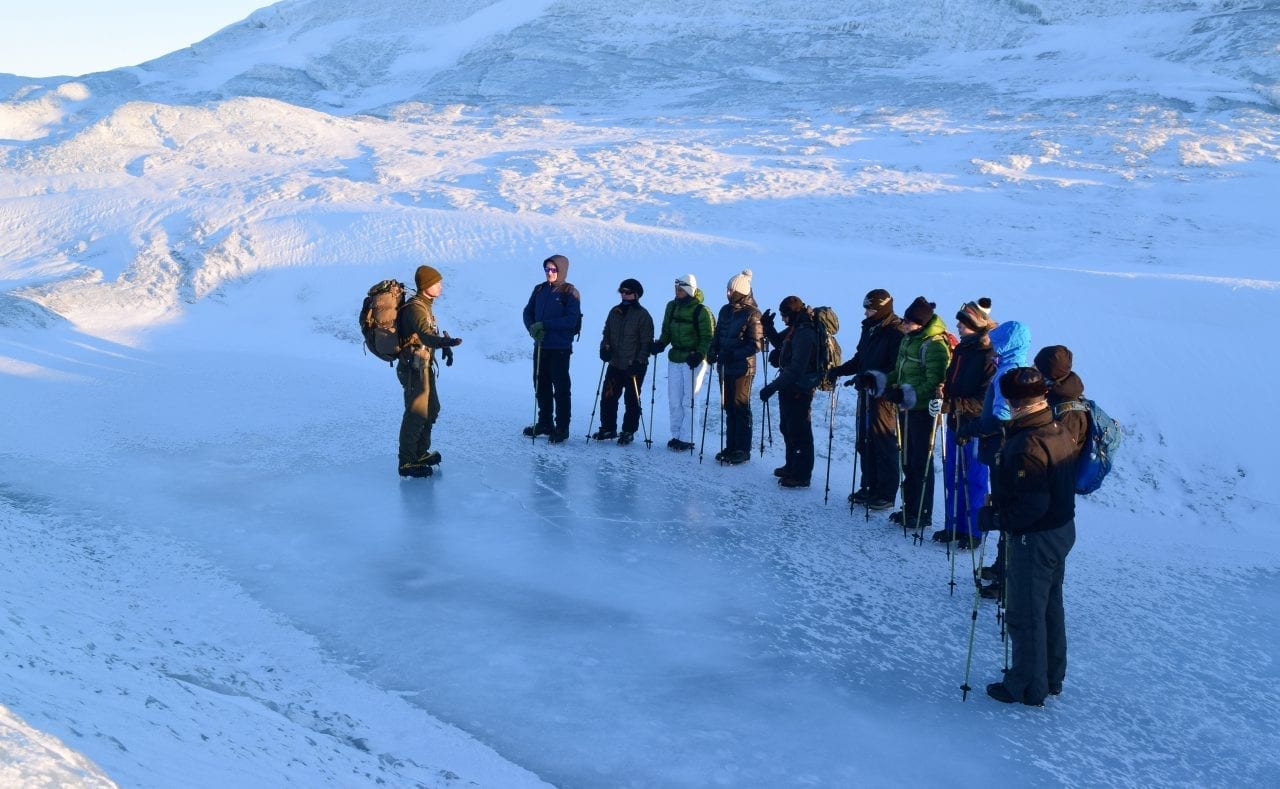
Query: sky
(74, 37)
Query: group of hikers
(1012, 426)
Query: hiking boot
(681, 446)
(559, 435)
(674, 444)
(988, 574)
(793, 482)
(1055, 688)
(604, 434)
(533, 431)
(944, 535)
(780, 471)
(720, 456)
(432, 458)
(879, 505)
(990, 591)
(737, 457)
(626, 438)
(1000, 693)
(415, 470)
(968, 542)
(896, 517)
(860, 497)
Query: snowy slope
(180, 243)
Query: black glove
(605, 354)
(694, 360)
(451, 342)
(657, 348)
(988, 518)
(712, 357)
(894, 394)
(831, 375)
(446, 353)
(775, 357)
(865, 381)
(766, 322)
(767, 391)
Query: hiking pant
(421, 408)
(620, 383)
(683, 386)
(917, 478)
(878, 446)
(795, 419)
(551, 382)
(965, 486)
(736, 402)
(1033, 611)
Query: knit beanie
(632, 285)
(878, 300)
(741, 283)
(425, 277)
(688, 283)
(976, 315)
(920, 311)
(1022, 383)
(1054, 361)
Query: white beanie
(741, 283)
(688, 283)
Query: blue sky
(73, 37)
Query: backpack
(1100, 444)
(826, 324)
(950, 339)
(378, 319)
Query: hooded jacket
(687, 326)
(908, 371)
(557, 307)
(738, 337)
(1010, 340)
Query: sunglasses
(551, 269)
(626, 292)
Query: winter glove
(935, 407)
(537, 331)
(766, 323)
(894, 394)
(831, 375)
(767, 391)
(451, 342)
(988, 518)
(775, 357)
(864, 381)
(446, 353)
(657, 347)
(694, 360)
(712, 357)
(605, 353)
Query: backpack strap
(1070, 405)
(924, 346)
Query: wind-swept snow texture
(213, 576)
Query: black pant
(551, 379)
(737, 412)
(1037, 625)
(917, 479)
(421, 408)
(878, 446)
(624, 384)
(795, 407)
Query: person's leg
(631, 416)
(615, 383)
(677, 397)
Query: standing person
(1033, 503)
(964, 476)
(1066, 392)
(737, 340)
(795, 385)
(627, 337)
(1011, 342)
(553, 318)
(922, 363)
(419, 338)
(687, 326)
(877, 428)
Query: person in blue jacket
(553, 318)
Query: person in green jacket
(923, 356)
(420, 337)
(687, 326)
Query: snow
(213, 575)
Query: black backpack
(378, 319)
(826, 323)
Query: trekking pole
(831, 438)
(902, 466)
(706, 409)
(857, 443)
(635, 388)
(766, 423)
(868, 402)
(537, 367)
(973, 627)
(653, 395)
(956, 491)
(599, 386)
(723, 413)
(927, 469)
(693, 405)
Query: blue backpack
(1100, 444)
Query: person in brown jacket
(624, 346)
(419, 339)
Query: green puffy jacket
(923, 357)
(687, 326)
